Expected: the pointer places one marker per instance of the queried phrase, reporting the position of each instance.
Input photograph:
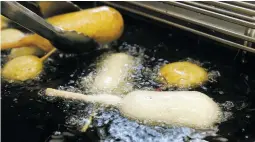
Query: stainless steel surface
(230, 23)
(234, 8)
(243, 4)
(213, 14)
(52, 8)
(67, 41)
(220, 11)
(23, 16)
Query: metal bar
(237, 9)
(213, 14)
(243, 4)
(201, 23)
(222, 11)
(184, 28)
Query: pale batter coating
(174, 108)
(113, 72)
(11, 35)
(171, 108)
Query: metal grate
(231, 23)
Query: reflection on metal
(233, 7)
(231, 23)
(249, 32)
(52, 8)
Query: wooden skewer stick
(48, 54)
(180, 108)
(106, 99)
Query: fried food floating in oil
(113, 72)
(104, 24)
(183, 74)
(22, 51)
(31, 41)
(11, 35)
(172, 108)
(24, 67)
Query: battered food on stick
(104, 24)
(173, 108)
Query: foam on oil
(108, 121)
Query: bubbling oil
(124, 86)
(111, 124)
(117, 127)
(120, 128)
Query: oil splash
(124, 86)
(111, 126)
(122, 129)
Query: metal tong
(66, 41)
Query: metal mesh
(231, 23)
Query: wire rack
(231, 23)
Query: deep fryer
(28, 116)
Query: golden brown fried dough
(183, 74)
(22, 51)
(4, 22)
(22, 68)
(104, 24)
